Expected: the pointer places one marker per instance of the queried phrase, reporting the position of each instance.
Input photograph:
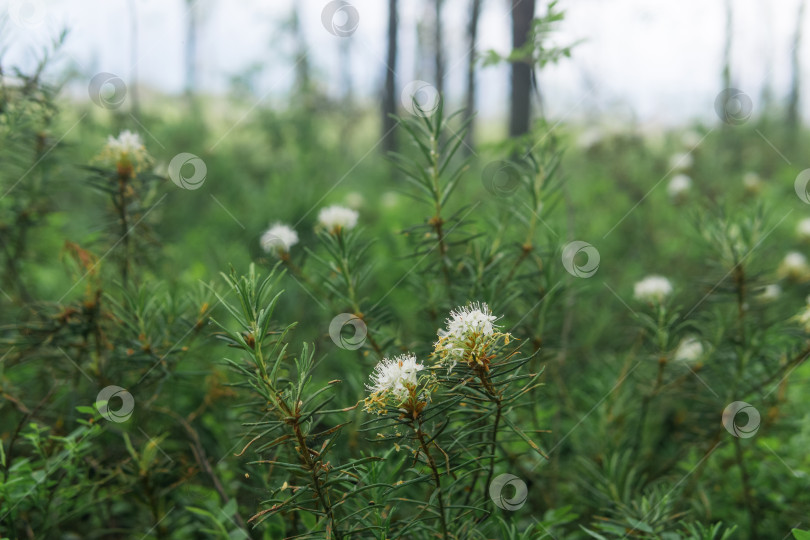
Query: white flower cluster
(681, 161)
(278, 239)
(803, 229)
(335, 218)
(471, 319)
(689, 350)
(395, 377)
(804, 316)
(679, 186)
(652, 289)
(469, 332)
(794, 266)
(126, 151)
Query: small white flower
(127, 142)
(691, 138)
(473, 318)
(653, 289)
(681, 161)
(390, 199)
(590, 138)
(678, 186)
(803, 229)
(126, 151)
(469, 336)
(335, 218)
(690, 349)
(354, 200)
(804, 316)
(752, 182)
(278, 239)
(395, 376)
(794, 266)
(770, 292)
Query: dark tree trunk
(192, 14)
(438, 50)
(520, 113)
(302, 72)
(133, 87)
(727, 48)
(795, 83)
(472, 36)
(389, 104)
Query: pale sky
(658, 62)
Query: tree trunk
(727, 49)
(520, 113)
(302, 72)
(389, 104)
(472, 36)
(438, 51)
(133, 87)
(192, 13)
(793, 101)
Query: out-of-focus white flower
(354, 200)
(752, 183)
(770, 293)
(336, 218)
(468, 336)
(804, 316)
(803, 229)
(590, 137)
(278, 239)
(690, 349)
(678, 186)
(390, 199)
(127, 152)
(794, 266)
(652, 289)
(691, 138)
(681, 161)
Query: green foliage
(259, 425)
